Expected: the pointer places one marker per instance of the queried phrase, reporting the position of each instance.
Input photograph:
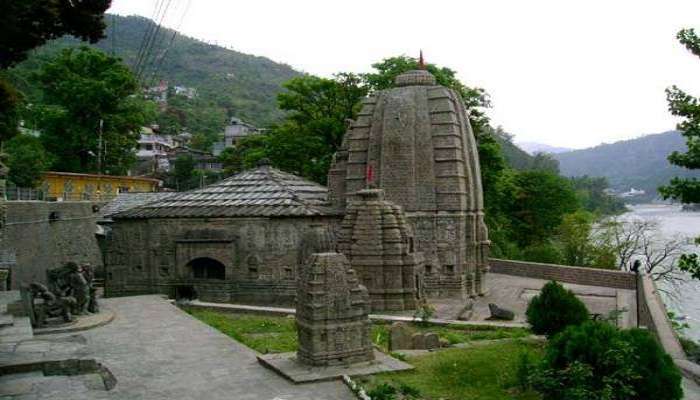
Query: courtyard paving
(155, 351)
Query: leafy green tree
(555, 308)
(596, 360)
(687, 107)
(10, 100)
(184, 172)
(575, 237)
(545, 162)
(317, 114)
(541, 201)
(591, 192)
(85, 91)
(26, 160)
(31, 23)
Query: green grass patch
(263, 333)
(274, 334)
(487, 372)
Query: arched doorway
(207, 268)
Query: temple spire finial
(421, 62)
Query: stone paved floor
(157, 352)
(514, 293)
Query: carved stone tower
(376, 239)
(332, 313)
(415, 142)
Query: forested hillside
(640, 163)
(228, 83)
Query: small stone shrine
(376, 239)
(332, 313)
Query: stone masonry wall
(40, 243)
(562, 273)
(261, 257)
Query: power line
(147, 35)
(149, 47)
(172, 39)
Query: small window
(411, 245)
(449, 269)
(428, 269)
(288, 273)
(253, 272)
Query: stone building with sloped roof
(238, 240)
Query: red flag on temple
(370, 174)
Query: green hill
(640, 163)
(236, 84)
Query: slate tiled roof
(260, 192)
(127, 201)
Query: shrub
(596, 360)
(383, 391)
(554, 309)
(543, 253)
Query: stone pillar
(5, 257)
(332, 315)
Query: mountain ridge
(640, 163)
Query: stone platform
(81, 323)
(286, 364)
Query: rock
(432, 341)
(499, 313)
(466, 313)
(444, 343)
(418, 340)
(400, 337)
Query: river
(672, 223)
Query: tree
(596, 360)
(10, 100)
(318, 110)
(184, 172)
(85, 91)
(540, 202)
(31, 23)
(687, 107)
(555, 308)
(545, 162)
(26, 160)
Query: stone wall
(563, 273)
(46, 234)
(260, 256)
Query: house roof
(129, 200)
(260, 192)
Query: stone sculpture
(69, 292)
(332, 313)
(498, 313)
(44, 305)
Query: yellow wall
(93, 187)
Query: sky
(565, 73)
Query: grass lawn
(273, 334)
(487, 372)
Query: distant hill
(240, 84)
(516, 157)
(639, 163)
(534, 147)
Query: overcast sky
(565, 73)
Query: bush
(596, 360)
(554, 309)
(546, 252)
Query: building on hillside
(204, 160)
(241, 239)
(152, 153)
(188, 92)
(69, 186)
(235, 131)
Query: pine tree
(688, 107)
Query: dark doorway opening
(207, 268)
(185, 292)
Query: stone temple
(415, 142)
(404, 205)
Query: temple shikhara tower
(414, 141)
